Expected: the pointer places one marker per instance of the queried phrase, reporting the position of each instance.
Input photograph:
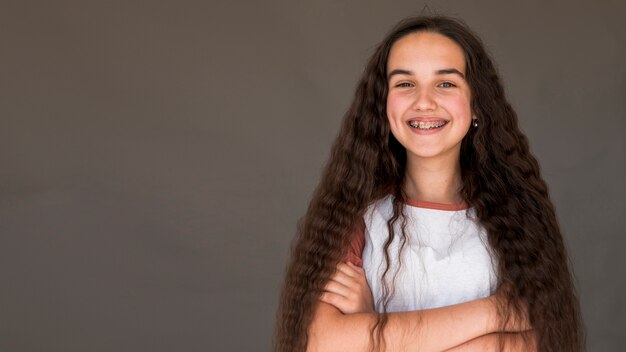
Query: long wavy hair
(501, 181)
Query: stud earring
(475, 122)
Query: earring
(475, 122)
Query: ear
(474, 121)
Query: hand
(348, 290)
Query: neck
(436, 180)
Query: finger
(345, 279)
(337, 288)
(355, 272)
(338, 301)
(348, 270)
(357, 269)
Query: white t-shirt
(446, 259)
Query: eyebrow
(443, 71)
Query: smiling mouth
(427, 125)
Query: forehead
(426, 50)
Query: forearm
(426, 330)
(513, 342)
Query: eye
(446, 85)
(403, 85)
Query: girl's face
(429, 101)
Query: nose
(424, 101)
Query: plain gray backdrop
(156, 156)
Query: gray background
(155, 156)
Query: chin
(431, 153)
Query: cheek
(395, 107)
(394, 114)
(460, 107)
(391, 104)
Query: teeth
(427, 125)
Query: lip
(426, 119)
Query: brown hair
(500, 179)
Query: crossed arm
(344, 316)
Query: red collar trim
(436, 206)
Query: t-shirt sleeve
(357, 242)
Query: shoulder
(382, 207)
(376, 209)
(357, 243)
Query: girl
(431, 187)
